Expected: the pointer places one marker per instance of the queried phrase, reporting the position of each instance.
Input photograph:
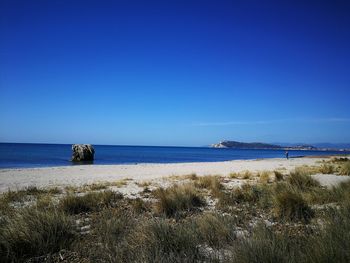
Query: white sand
(88, 174)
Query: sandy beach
(87, 174)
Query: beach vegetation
(75, 204)
(160, 240)
(215, 230)
(290, 219)
(326, 169)
(247, 193)
(290, 205)
(264, 177)
(96, 187)
(278, 175)
(143, 184)
(345, 168)
(139, 205)
(234, 175)
(119, 183)
(178, 198)
(31, 232)
(24, 194)
(211, 183)
(191, 176)
(340, 159)
(265, 245)
(302, 180)
(307, 170)
(247, 175)
(331, 243)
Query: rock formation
(82, 152)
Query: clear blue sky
(174, 72)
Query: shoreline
(172, 163)
(79, 175)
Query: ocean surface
(20, 155)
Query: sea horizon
(32, 155)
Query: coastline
(79, 175)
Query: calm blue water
(16, 155)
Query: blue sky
(174, 72)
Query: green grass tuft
(211, 183)
(31, 232)
(345, 168)
(93, 201)
(215, 230)
(326, 169)
(278, 175)
(178, 198)
(291, 206)
(302, 181)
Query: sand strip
(87, 174)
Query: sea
(29, 155)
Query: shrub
(266, 246)
(302, 181)
(332, 243)
(247, 175)
(326, 169)
(31, 232)
(191, 176)
(345, 168)
(210, 182)
(278, 175)
(340, 159)
(234, 175)
(144, 184)
(139, 206)
(341, 192)
(290, 205)
(108, 243)
(162, 241)
(215, 230)
(245, 193)
(264, 177)
(73, 204)
(23, 194)
(96, 186)
(178, 198)
(13, 196)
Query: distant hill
(260, 145)
(245, 145)
(321, 145)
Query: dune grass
(290, 205)
(32, 232)
(215, 230)
(176, 224)
(178, 198)
(302, 180)
(264, 177)
(327, 169)
(73, 204)
(211, 183)
(162, 241)
(332, 244)
(247, 193)
(278, 175)
(266, 246)
(345, 168)
(247, 175)
(21, 195)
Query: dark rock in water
(82, 152)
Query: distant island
(260, 145)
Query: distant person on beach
(287, 155)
